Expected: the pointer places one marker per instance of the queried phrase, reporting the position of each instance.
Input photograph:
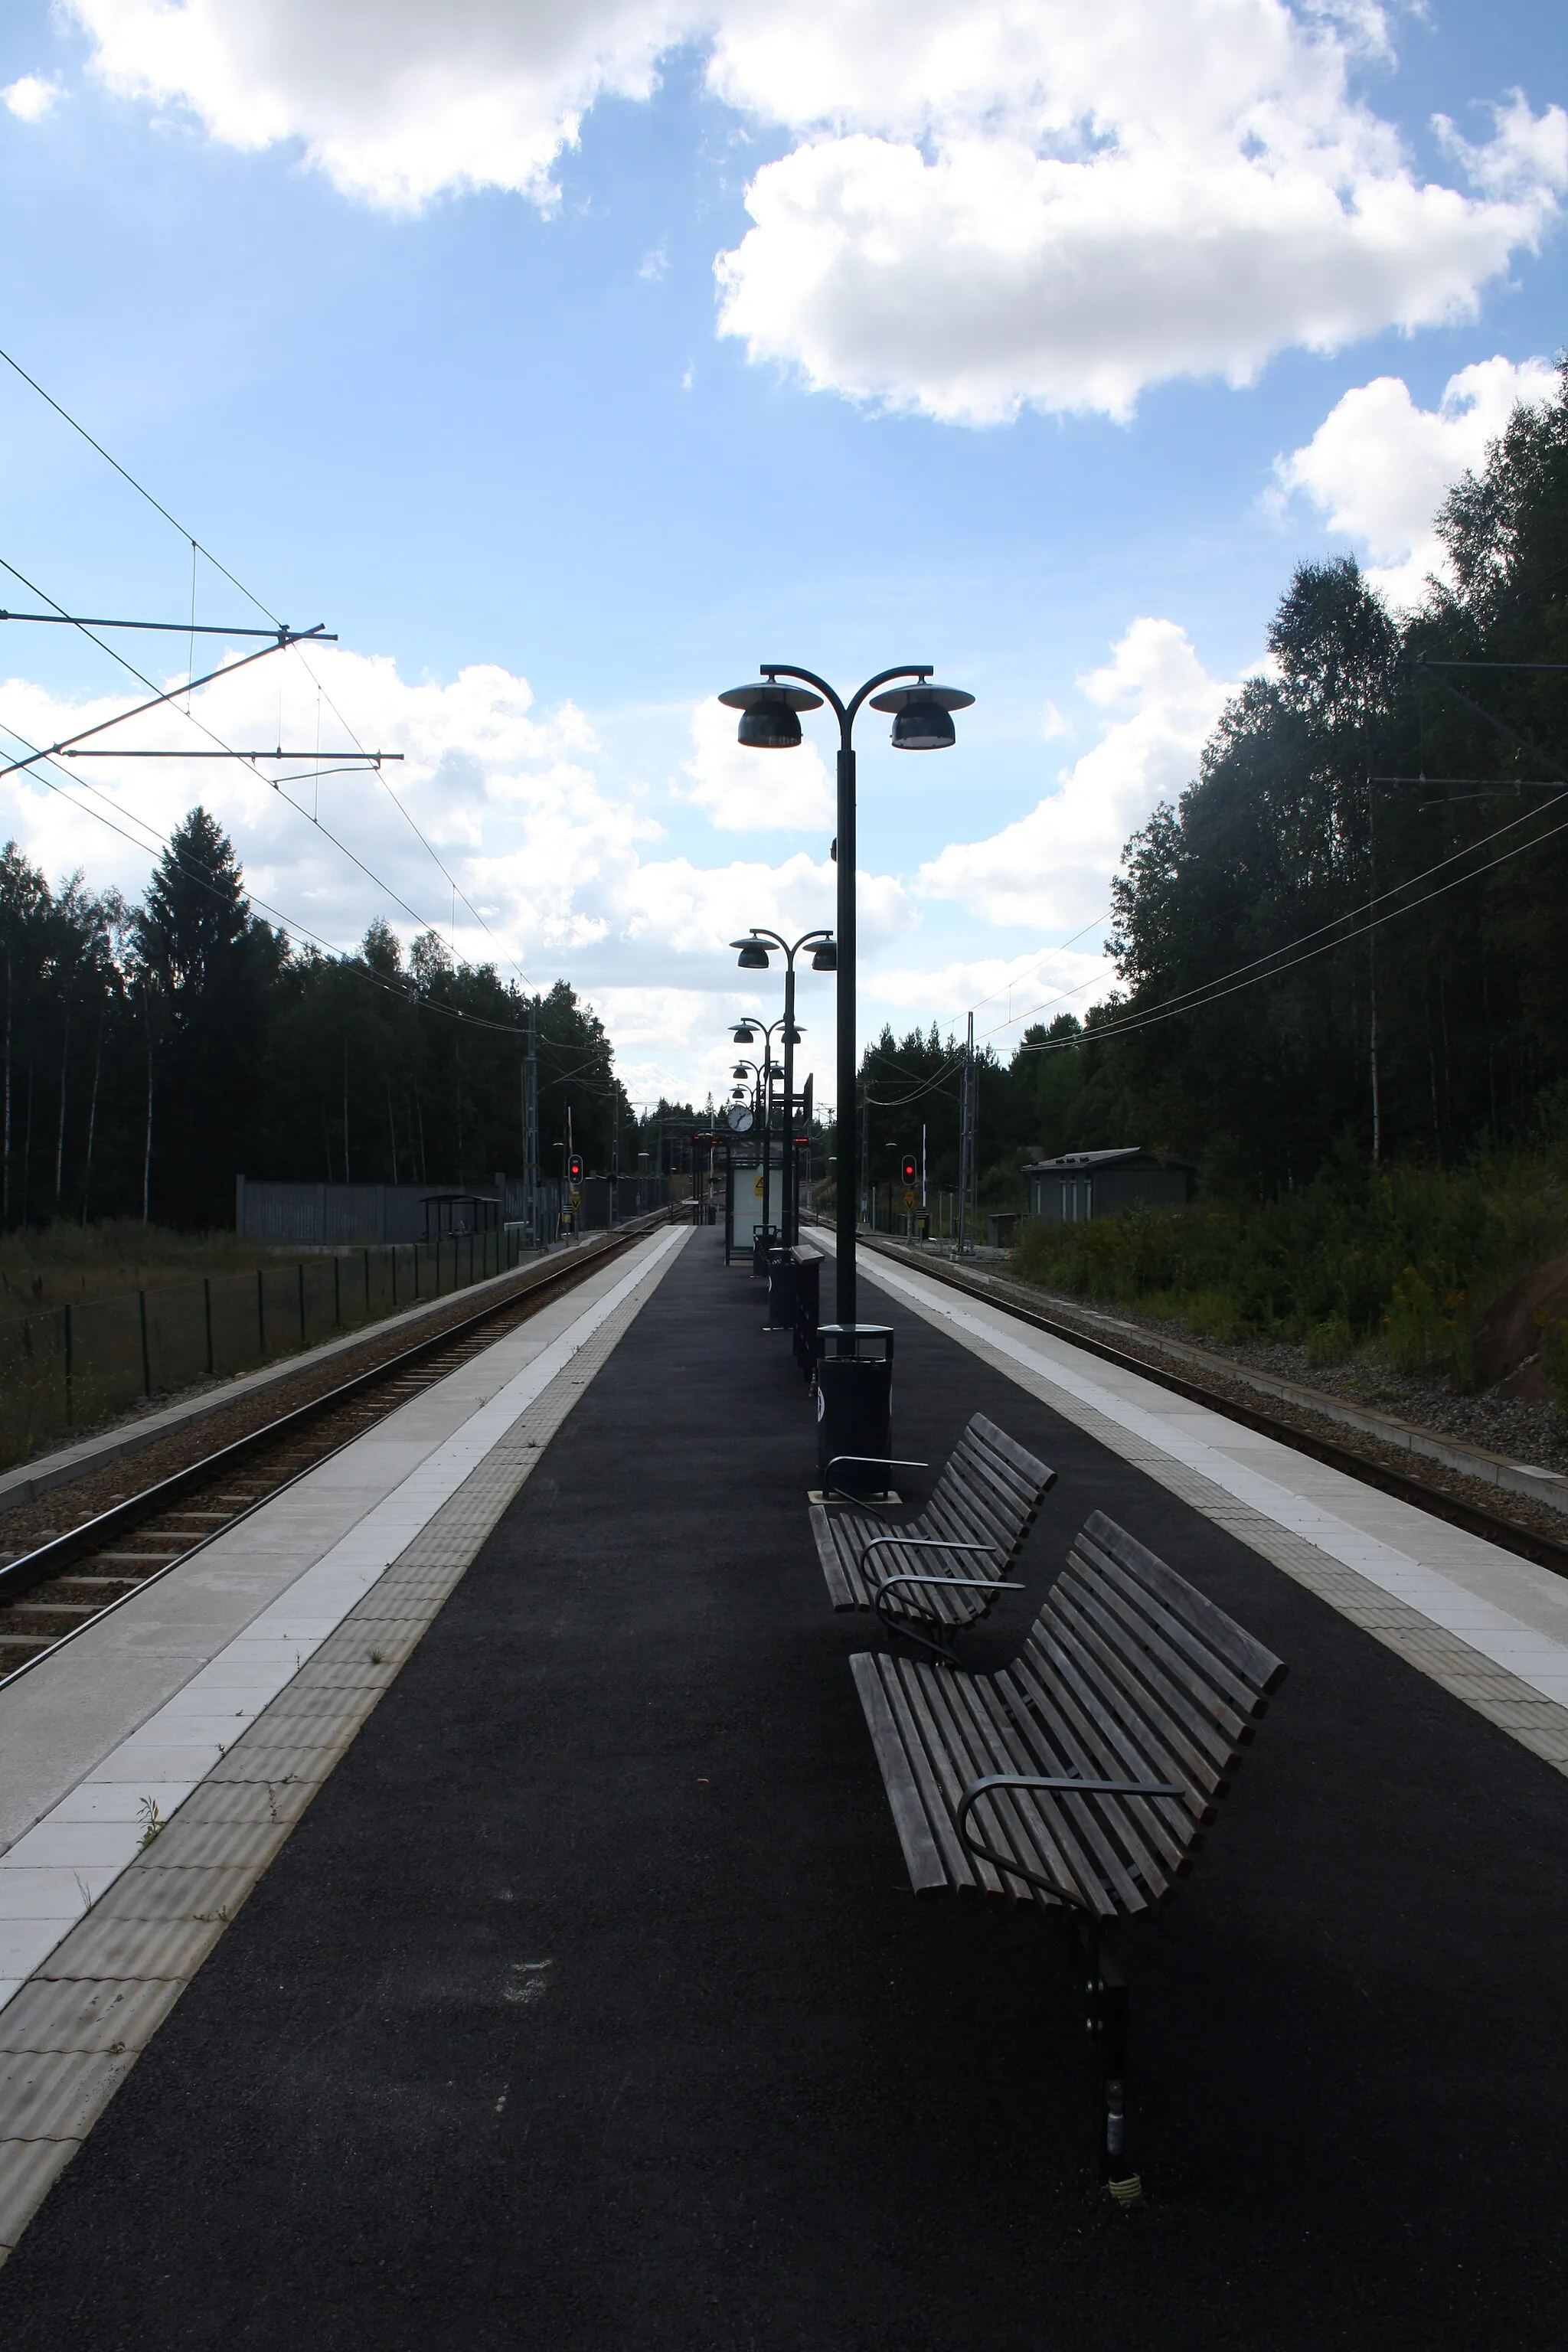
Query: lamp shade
(769, 714)
(753, 956)
(825, 957)
(744, 1035)
(922, 715)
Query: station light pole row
(756, 951)
(769, 721)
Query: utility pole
(530, 1205)
(966, 1171)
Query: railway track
(54, 1592)
(1425, 1494)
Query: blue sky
(1049, 338)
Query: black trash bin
(781, 1290)
(807, 1307)
(855, 1405)
(764, 1240)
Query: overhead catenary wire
(139, 488)
(1197, 1001)
(227, 750)
(198, 546)
(348, 960)
(1338, 922)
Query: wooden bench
(941, 1569)
(1082, 1775)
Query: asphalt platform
(588, 2007)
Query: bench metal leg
(1107, 2014)
(937, 1642)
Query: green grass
(1397, 1263)
(62, 1264)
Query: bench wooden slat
(1186, 1724)
(940, 1775)
(1137, 1743)
(1018, 1458)
(928, 1868)
(1128, 1674)
(1259, 1667)
(1035, 1833)
(988, 1494)
(1101, 1873)
(1103, 1689)
(983, 1487)
(827, 1552)
(952, 1511)
(1219, 1715)
(1198, 1661)
(1110, 1752)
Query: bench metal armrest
(924, 1543)
(1066, 1784)
(869, 1461)
(959, 1583)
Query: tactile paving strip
(68, 2038)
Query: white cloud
(986, 206)
(754, 791)
(30, 98)
(1002, 993)
(571, 878)
(1378, 467)
(1051, 869)
(396, 100)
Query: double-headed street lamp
(745, 1032)
(769, 721)
(755, 951)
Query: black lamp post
(769, 721)
(754, 952)
(745, 1032)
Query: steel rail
(1508, 1534)
(63, 1552)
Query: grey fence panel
(33, 1403)
(176, 1337)
(108, 1368)
(281, 1333)
(116, 1351)
(321, 1284)
(237, 1330)
(378, 1282)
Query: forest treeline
(153, 1052)
(1346, 942)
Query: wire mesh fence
(69, 1368)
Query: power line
(1337, 923)
(288, 923)
(139, 488)
(197, 546)
(1139, 1020)
(224, 749)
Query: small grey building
(1085, 1184)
